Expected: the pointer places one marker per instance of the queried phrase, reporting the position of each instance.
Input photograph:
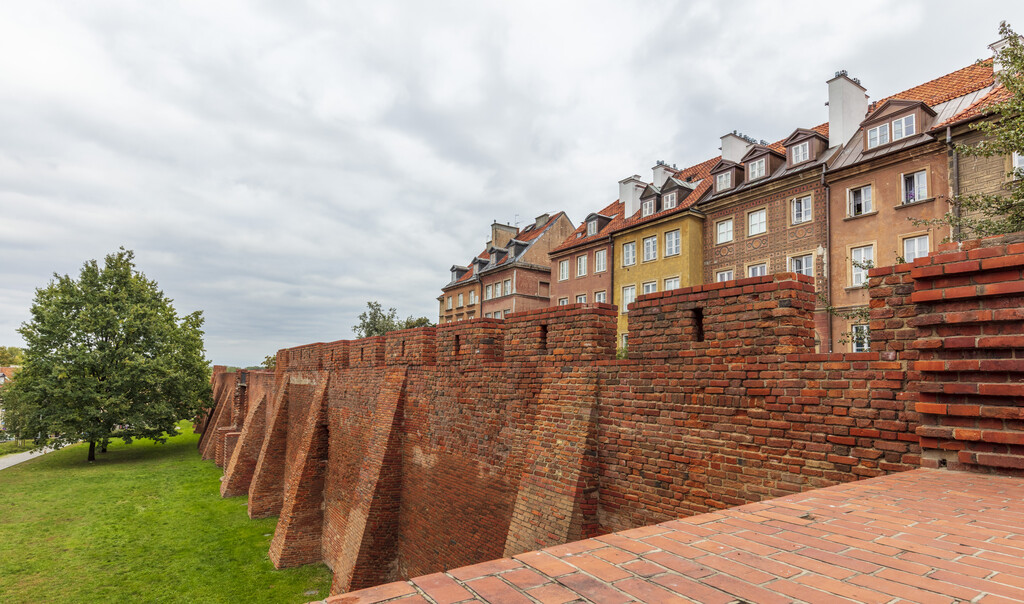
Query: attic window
(723, 181)
(903, 127)
(648, 207)
(756, 169)
(668, 201)
(801, 153)
(591, 228)
(879, 135)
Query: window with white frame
(915, 186)
(600, 296)
(802, 209)
(563, 270)
(879, 135)
(903, 127)
(650, 248)
(668, 201)
(591, 228)
(757, 270)
(461, 300)
(860, 201)
(672, 243)
(648, 207)
(628, 297)
(723, 276)
(600, 261)
(723, 231)
(449, 302)
(1018, 162)
(723, 181)
(915, 247)
(508, 286)
(563, 301)
(860, 337)
(581, 265)
(861, 259)
(803, 264)
(756, 169)
(757, 222)
(650, 287)
(801, 153)
(488, 293)
(581, 299)
(629, 253)
(671, 283)
(472, 298)
(625, 340)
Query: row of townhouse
(827, 201)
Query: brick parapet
(526, 431)
(970, 338)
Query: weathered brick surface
(442, 447)
(920, 536)
(969, 334)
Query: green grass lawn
(144, 523)
(13, 446)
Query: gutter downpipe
(956, 182)
(828, 251)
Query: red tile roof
(534, 233)
(950, 86)
(579, 236)
(9, 371)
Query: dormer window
(723, 181)
(756, 169)
(591, 228)
(903, 127)
(801, 153)
(879, 135)
(648, 207)
(668, 201)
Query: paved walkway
(13, 459)
(920, 536)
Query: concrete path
(923, 536)
(14, 459)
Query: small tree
(984, 214)
(11, 355)
(107, 357)
(376, 322)
(269, 361)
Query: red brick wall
(439, 447)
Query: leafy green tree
(984, 214)
(107, 357)
(11, 355)
(269, 361)
(375, 321)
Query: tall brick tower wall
(438, 447)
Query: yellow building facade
(656, 256)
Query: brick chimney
(501, 234)
(630, 189)
(847, 106)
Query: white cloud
(279, 165)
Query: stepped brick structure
(435, 448)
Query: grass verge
(14, 446)
(144, 523)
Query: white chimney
(541, 220)
(997, 47)
(629, 193)
(734, 147)
(661, 173)
(847, 106)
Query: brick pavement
(920, 536)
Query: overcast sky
(278, 164)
